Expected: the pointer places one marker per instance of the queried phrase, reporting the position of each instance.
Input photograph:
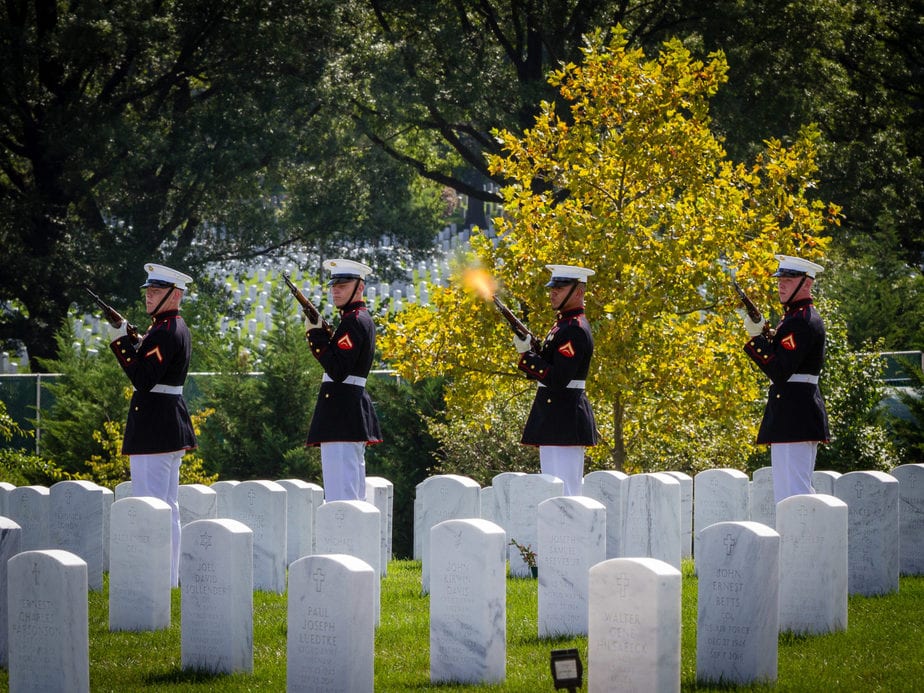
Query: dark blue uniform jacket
(561, 415)
(795, 411)
(157, 422)
(344, 412)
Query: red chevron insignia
(345, 342)
(155, 352)
(566, 349)
(789, 342)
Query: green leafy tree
(258, 428)
(182, 132)
(630, 181)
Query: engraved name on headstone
(353, 528)
(872, 531)
(633, 641)
(331, 630)
(468, 602)
(813, 563)
(911, 517)
(30, 508)
(262, 506)
(49, 645)
(216, 607)
(571, 539)
(139, 574)
(738, 605)
(762, 502)
(77, 524)
(444, 497)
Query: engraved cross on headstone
(729, 542)
(318, 578)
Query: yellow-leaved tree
(629, 180)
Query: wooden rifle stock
(752, 310)
(113, 317)
(308, 308)
(518, 327)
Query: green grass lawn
(882, 649)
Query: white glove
(754, 329)
(309, 325)
(117, 332)
(522, 345)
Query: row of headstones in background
(648, 515)
(75, 516)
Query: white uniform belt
(349, 380)
(168, 389)
(803, 378)
(573, 385)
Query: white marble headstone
(502, 499)
(197, 502)
(444, 497)
(487, 503)
(633, 641)
(823, 481)
(738, 605)
(302, 501)
(224, 503)
(123, 490)
(651, 520)
(77, 524)
(719, 495)
(30, 508)
(609, 488)
(381, 493)
(5, 488)
(108, 500)
(686, 512)
(49, 642)
(139, 573)
(468, 602)
(216, 606)
(262, 506)
(872, 531)
(813, 563)
(762, 502)
(526, 492)
(911, 517)
(10, 541)
(331, 630)
(571, 539)
(353, 528)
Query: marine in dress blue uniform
(792, 356)
(344, 420)
(158, 431)
(561, 421)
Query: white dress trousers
(158, 476)
(344, 468)
(793, 465)
(567, 463)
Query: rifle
(308, 308)
(752, 310)
(113, 317)
(521, 330)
